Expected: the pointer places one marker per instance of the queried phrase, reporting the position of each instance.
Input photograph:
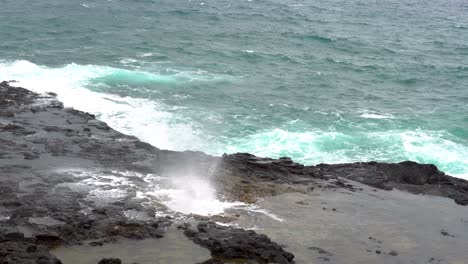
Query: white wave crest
(146, 119)
(376, 116)
(313, 147)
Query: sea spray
(193, 194)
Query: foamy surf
(169, 127)
(148, 120)
(187, 194)
(193, 194)
(314, 147)
(376, 116)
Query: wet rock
(233, 243)
(96, 243)
(278, 170)
(321, 251)
(47, 260)
(212, 261)
(31, 249)
(110, 261)
(135, 230)
(13, 236)
(409, 176)
(445, 233)
(25, 253)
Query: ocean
(320, 81)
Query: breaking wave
(86, 87)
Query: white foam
(256, 209)
(376, 116)
(187, 194)
(85, 5)
(151, 121)
(313, 147)
(100, 187)
(45, 221)
(103, 197)
(148, 120)
(4, 217)
(138, 215)
(425, 147)
(128, 61)
(146, 54)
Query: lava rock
(234, 243)
(110, 261)
(409, 176)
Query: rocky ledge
(227, 243)
(408, 176)
(67, 178)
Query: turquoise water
(321, 81)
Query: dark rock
(409, 176)
(233, 243)
(212, 261)
(445, 233)
(110, 261)
(321, 251)
(279, 170)
(135, 230)
(13, 236)
(31, 249)
(47, 260)
(96, 243)
(48, 239)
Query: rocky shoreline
(59, 169)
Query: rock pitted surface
(230, 243)
(409, 176)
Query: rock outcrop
(230, 243)
(409, 176)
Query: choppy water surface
(321, 81)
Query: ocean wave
(86, 5)
(314, 147)
(311, 37)
(145, 54)
(167, 127)
(148, 120)
(409, 81)
(377, 116)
